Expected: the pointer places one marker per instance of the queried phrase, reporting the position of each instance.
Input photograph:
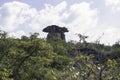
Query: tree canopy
(33, 58)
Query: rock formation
(55, 31)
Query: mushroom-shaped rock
(55, 31)
(55, 28)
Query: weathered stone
(55, 31)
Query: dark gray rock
(55, 31)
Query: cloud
(17, 34)
(20, 19)
(114, 4)
(48, 15)
(78, 17)
(14, 15)
(82, 17)
(111, 35)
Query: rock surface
(55, 31)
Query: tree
(34, 36)
(24, 38)
(3, 34)
(82, 38)
(32, 58)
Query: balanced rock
(55, 31)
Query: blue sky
(88, 17)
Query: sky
(94, 18)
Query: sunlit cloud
(114, 4)
(19, 18)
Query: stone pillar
(55, 32)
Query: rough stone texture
(55, 31)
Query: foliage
(32, 58)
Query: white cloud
(17, 34)
(114, 4)
(78, 17)
(14, 14)
(49, 15)
(20, 19)
(82, 17)
(111, 35)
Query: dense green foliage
(33, 58)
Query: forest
(33, 58)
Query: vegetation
(33, 58)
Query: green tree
(34, 36)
